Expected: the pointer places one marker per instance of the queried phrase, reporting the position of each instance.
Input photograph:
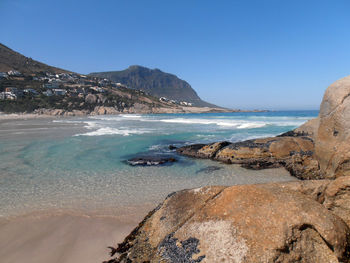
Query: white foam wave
(251, 125)
(113, 131)
(120, 117)
(239, 124)
(134, 116)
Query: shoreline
(59, 113)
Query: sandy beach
(63, 238)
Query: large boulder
(248, 223)
(332, 147)
(337, 198)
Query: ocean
(80, 163)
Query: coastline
(49, 113)
(85, 235)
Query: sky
(262, 54)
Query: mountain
(12, 60)
(155, 82)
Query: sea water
(79, 163)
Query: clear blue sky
(270, 54)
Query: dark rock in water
(209, 169)
(172, 147)
(151, 160)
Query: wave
(239, 124)
(113, 131)
(130, 116)
(116, 117)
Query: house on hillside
(48, 93)
(97, 89)
(3, 75)
(59, 92)
(31, 92)
(119, 85)
(163, 99)
(14, 92)
(14, 73)
(51, 85)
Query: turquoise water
(79, 163)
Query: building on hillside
(14, 91)
(3, 75)
(163, 99)
(97, 89)
(48, 93)
(51, 85)
(59, 92)
(31, 92)
(185, 103)
(119, 85)
(14, 73)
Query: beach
(67, 193)
(61, 237)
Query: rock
(57, 112)
(332, 149)
(246, 223)
(209, 169)
(303, 166)
(190, 150)
(209, 151)
(151, 160)
(309, 128)
(337, 198)
(91, 98)
(172, 147)
(295, 153)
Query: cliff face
(156, 83)
(12, 60)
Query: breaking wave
(113, 131)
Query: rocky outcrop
(151, 160)
(317, 149)
(332, 147)
(337, 198)
(309, 128)
(280, 222)
(295, 153)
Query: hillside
(39, 88)
(155, 82)
(12, 60)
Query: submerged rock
(278, 222)
(151, 160)
(209, 169)
(172, 147)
